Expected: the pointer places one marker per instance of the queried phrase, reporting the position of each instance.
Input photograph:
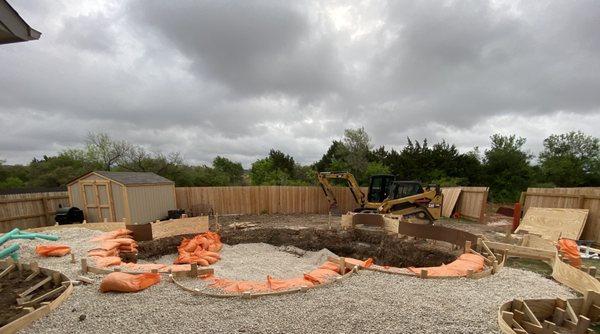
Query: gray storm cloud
(238, 78)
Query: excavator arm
(327, 187)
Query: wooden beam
(35, 287)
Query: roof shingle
(132, 178)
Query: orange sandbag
(570, 251)
(458, 268)
(330, 266)
(108, 245)
(286, 284)
(123, 282)
(124, 241)
(320, 275)
(237, 286)
(201, 249)
(103, 253)
(52, 250)
(119, 233)
(108, 261)
(363, 264)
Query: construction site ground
(367, 302)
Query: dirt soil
(492, 231)
(359, 244)
(10, 286)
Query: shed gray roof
(132, 178)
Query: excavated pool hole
(356, 243)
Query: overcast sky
(239, 78)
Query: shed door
(97, 199)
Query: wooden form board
(30, 210)
(450, 198)
(24, 321)
(575, 198)
(168, 228)
(553, 223)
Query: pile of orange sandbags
(123, 282)
(52, 250)
(201, 249)
(110, 245)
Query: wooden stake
(194, 270)
(85, 279)
(582, 325)
(559, 316)
(84, 266)
(56, 278)
(495, 267)
(73, 258)
(342, 265)
(470, 273)
(423, 273)
(467, 246)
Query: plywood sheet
(554, 223)
(169, 228)
(450, 198)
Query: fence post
(46, 213)
(483, 207)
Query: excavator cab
(379, 188)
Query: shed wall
(75, 196)
(150, 202)
(118, 201)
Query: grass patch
(537, 266)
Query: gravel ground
(367, 302)
(76, 238)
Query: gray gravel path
(367, 302)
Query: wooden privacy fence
(288, 200)
(576, 198)
(30, 210)
(472, 203)
(262, 199)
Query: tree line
(567, 160)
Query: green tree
(358, 146)
(11, 182)
(233, 170)
(104, 150)
(333, 158)
(507, 167)
(571, 160)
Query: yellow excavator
(388, 195)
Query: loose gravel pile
(366, 302)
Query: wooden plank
(450, 197)
(553, 223)
(35, 287)
(586, 198)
